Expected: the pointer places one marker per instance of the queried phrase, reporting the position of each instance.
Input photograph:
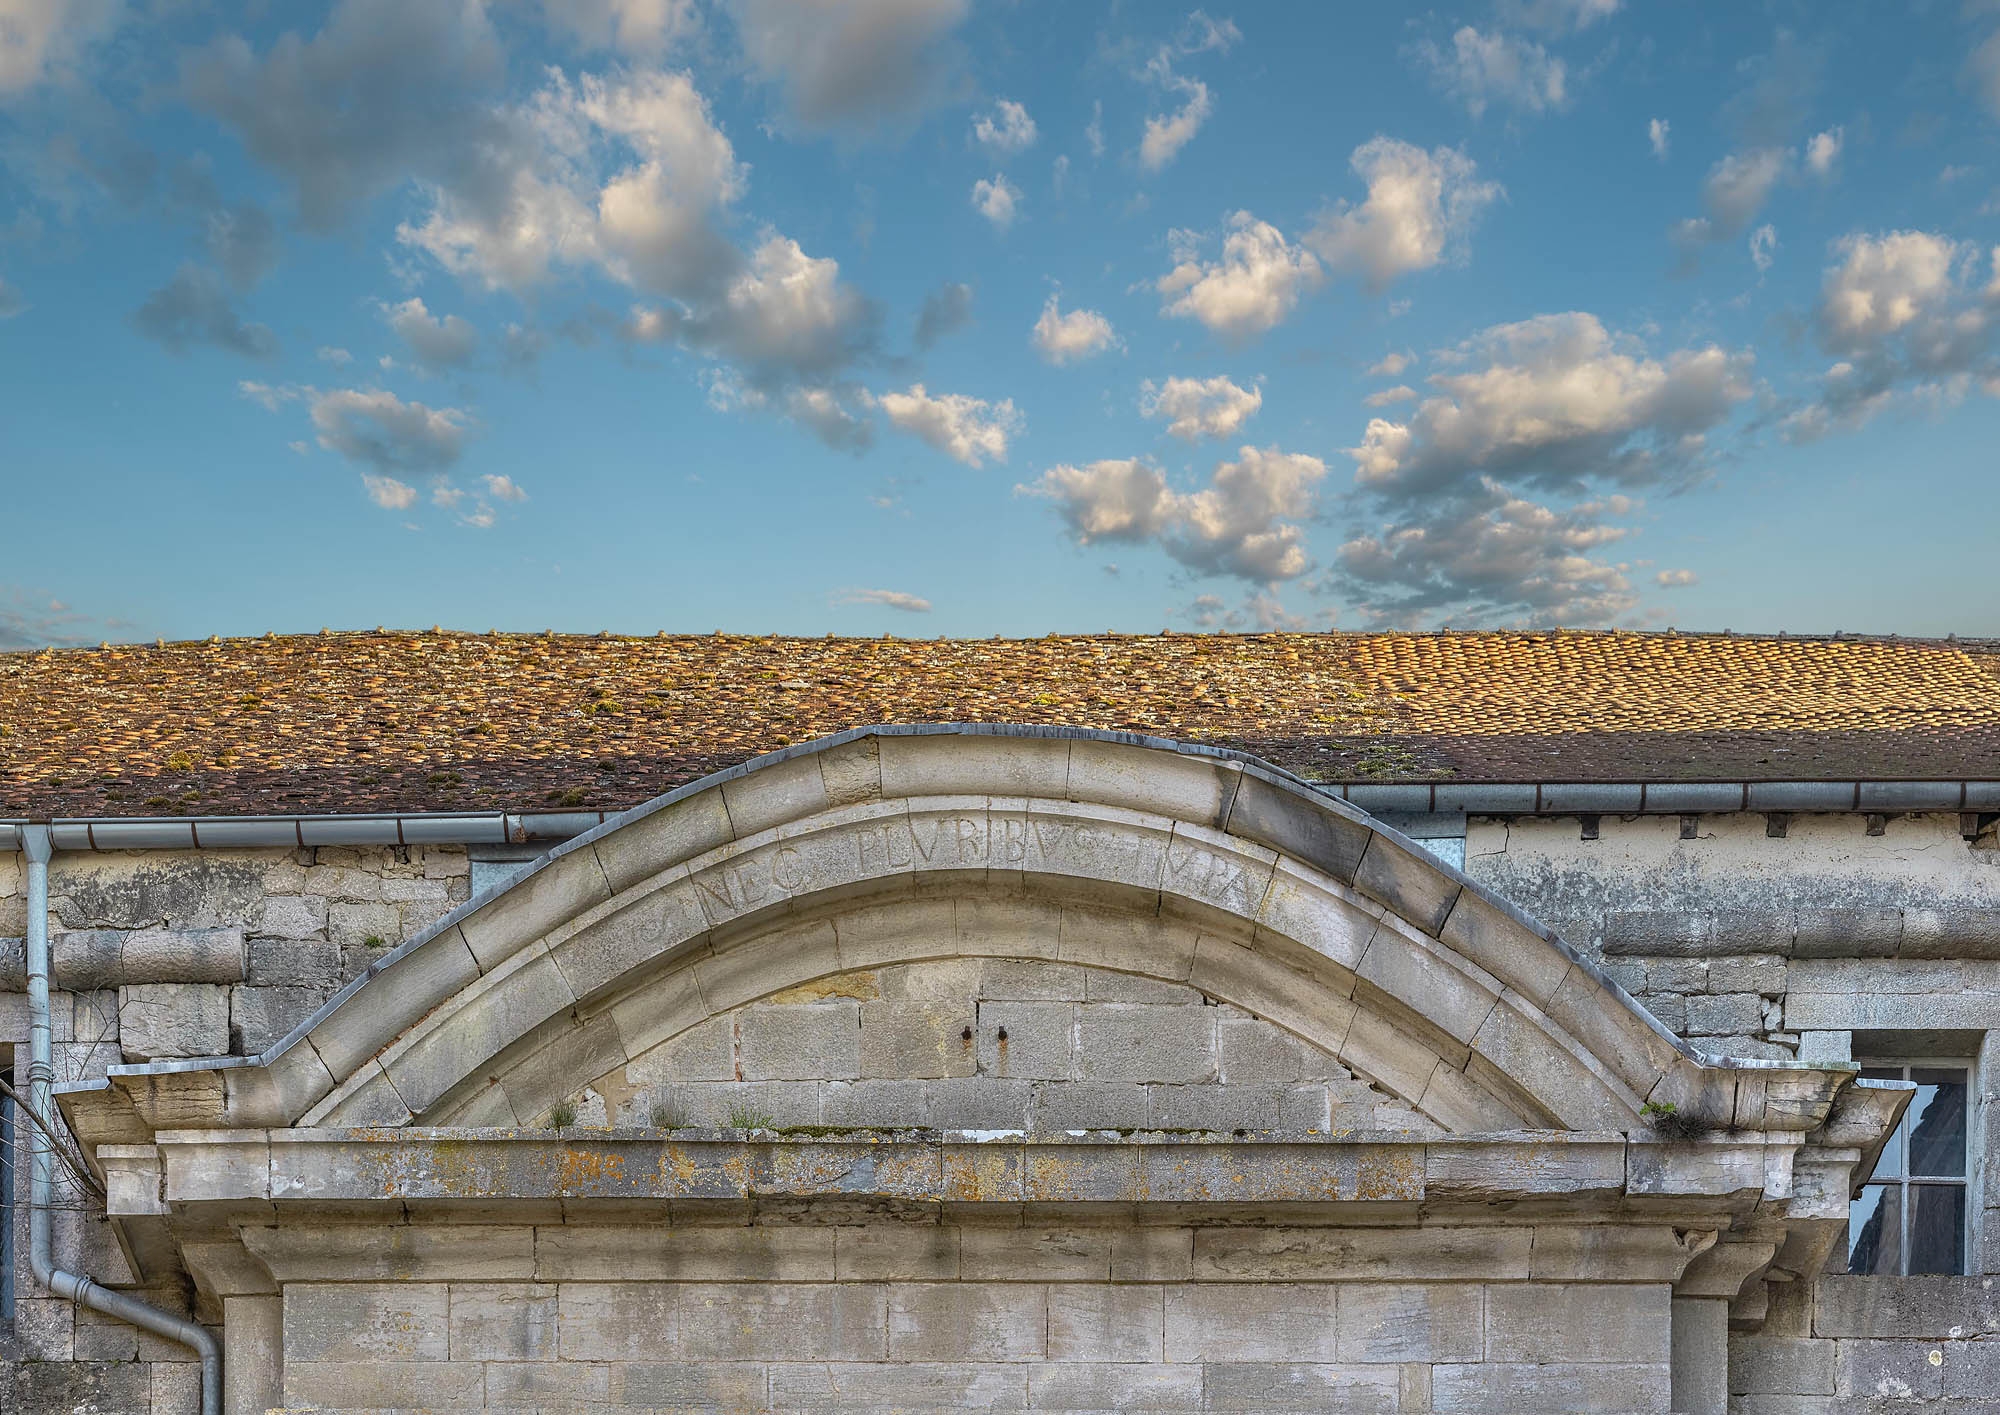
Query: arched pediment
(887, 848)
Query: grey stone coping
(1365, 1167)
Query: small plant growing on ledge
(1666, 1119)
(665, 1117)
(562, 1115)
(374, 941)
(741, 1117)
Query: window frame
(1904, 1182)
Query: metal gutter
(41, 1179)
(1567, 798)
(244, 832)
(1482, 798)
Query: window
(1912, 1214)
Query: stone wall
(169, 954)
(1780, 937)
(1748, 942)
(954, 1316)
(991, 1044)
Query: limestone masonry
(1011, 1068)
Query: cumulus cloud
(388, 434)
(630, 177)
(1067, 338)
(1676, 579)
(850, 63)
(967, 429)
(503, 488)
(1483, 70)
(1906, 314)
(1419, 208)
(435, 343)
(1007, 130)
(1657, 135)
(1555, 401)
(998, 200)
(48, 38)
(946, 310)
(383, 91)
(387, 492)
(1823, 152)
(1488, 556)
(1200, 407)
(1244, 523)
(195, 308)
(887, 599)
(1392, 365)
(640, 28)
(1253, 288)
(1388, 397)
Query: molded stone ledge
(1089, 1168)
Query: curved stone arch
(1314, 916)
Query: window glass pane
(1890, 1165)
(1874, 1231)
(1937, 1228)
(1936, 1122)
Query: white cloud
(1068, 338)
(503, 488)
(1657, 133)
(1489, 557)
(1676, 579)
(388, 493)
(1392, 365)
(1763, 247)
(1254, 287)
(1200, 407)
(1007, 130)
(1093, 131)
(1906, 318)
(850, 63)
(338, 357)
(887, 599)
(1823, 151)
(1482, 70)
(1554, 401)
(1420, 206)
(1244, 523)
(997, 200)
(642, 28)
(47, 38)
(1884, 285)
(376, 427)
(969, 430)
(436, 343)
(1167, 133)
(1383, 398)
(266, 396)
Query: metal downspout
(41, 1182)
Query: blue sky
(935, 317)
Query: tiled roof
(471, 722)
